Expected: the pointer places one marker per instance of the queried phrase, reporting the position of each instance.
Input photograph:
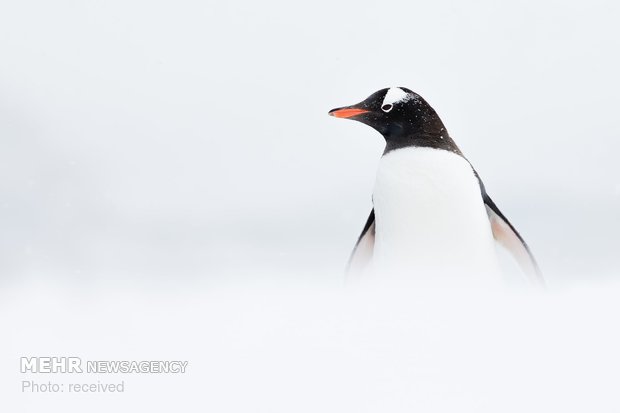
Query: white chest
(430, 215)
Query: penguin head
(398, 113)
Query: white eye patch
(393, 96)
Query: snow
(275, 349)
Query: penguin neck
(428, 132)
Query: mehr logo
(50, 365)
(74, 365)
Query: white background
(181, 145)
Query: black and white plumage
(431, 212)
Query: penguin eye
(387, 108)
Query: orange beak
(347, 112)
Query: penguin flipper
(362, 252)
(509, 238)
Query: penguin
(431, 212)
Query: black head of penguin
(403, 117)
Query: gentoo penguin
(431, 213)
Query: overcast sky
(191, 138)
